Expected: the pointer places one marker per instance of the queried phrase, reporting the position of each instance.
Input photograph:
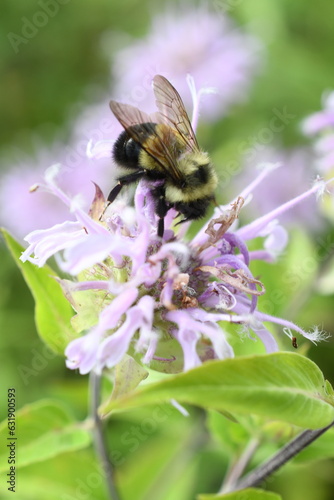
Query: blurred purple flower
(324, 148)
(21, 210)
(197, 41)
(322, 120)
(18, 208)
(321, 126)
(160, 296)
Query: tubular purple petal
(237, 242)
(253, 229)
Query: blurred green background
(64, 64)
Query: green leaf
(43, 430)
(156, 465)
(279, 386)
(69, 476)
(53, 312)
(248, 494)
(231, 435)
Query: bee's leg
(161, 227)
(161, 209)
(181, 221)
(124, 181)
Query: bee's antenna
(216, 204)
(104, 210)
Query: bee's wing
(172, 111)
(160, 148)
(128, 116)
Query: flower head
(43, 209)
(160, 300)
(199, 42)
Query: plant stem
(99, 440)
(239, 466)
(280, 458)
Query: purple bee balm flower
(160, 300)
(321, 125)
(322, 120)
(92, 124)
(200, 42)
(76, 176)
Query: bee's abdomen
(198, 177)
(198, 184)
(195, 209)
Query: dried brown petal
(238, 279)
(98, 205)
(225, 221)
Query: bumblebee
(163, 147)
